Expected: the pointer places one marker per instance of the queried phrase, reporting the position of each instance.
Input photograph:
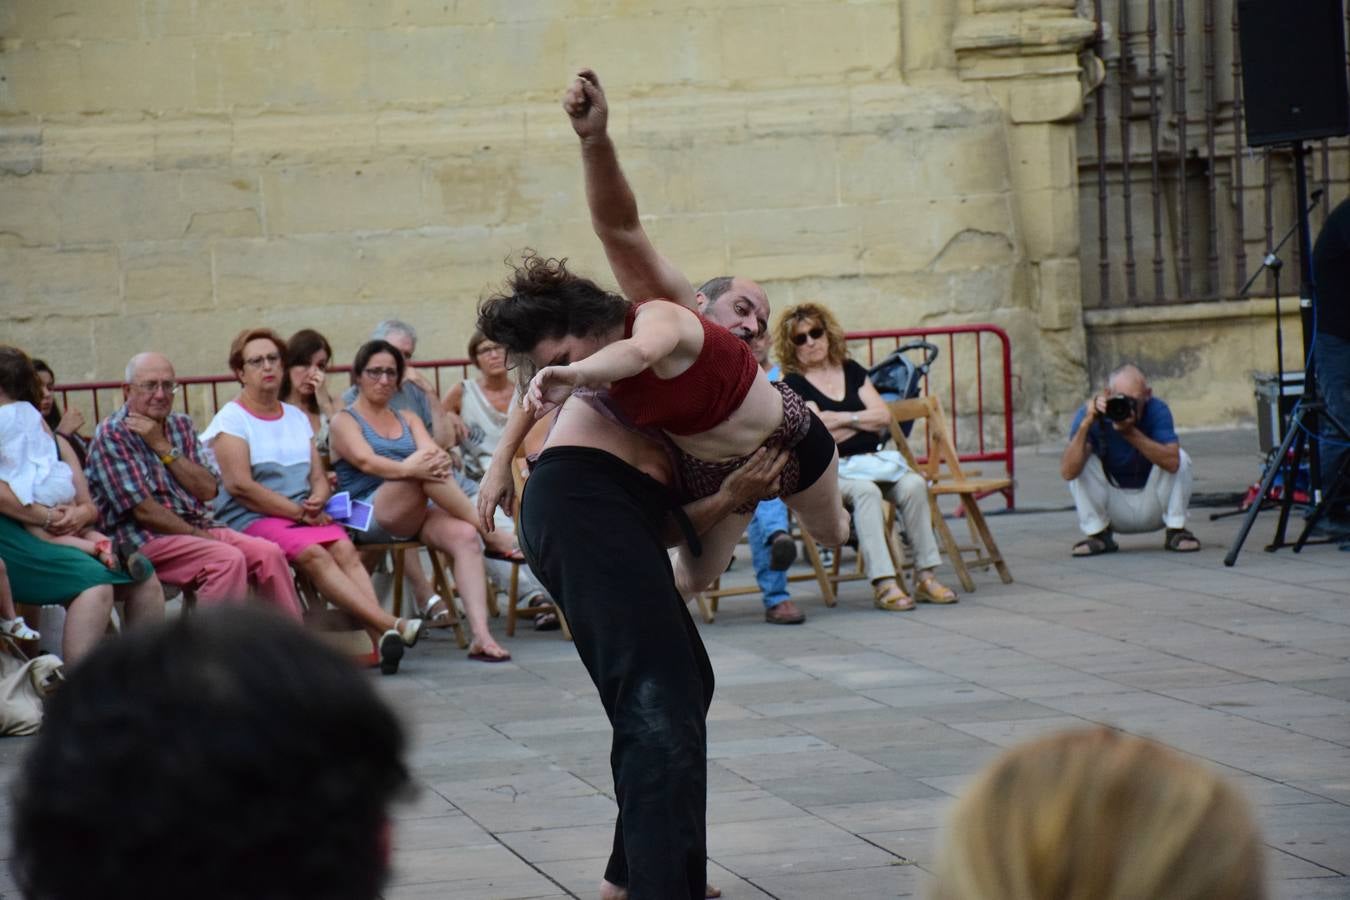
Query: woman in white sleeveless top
(482, 403)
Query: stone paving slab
(838, 746)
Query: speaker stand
(1304, 420)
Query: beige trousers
(910, 496)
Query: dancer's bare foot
(610, 891)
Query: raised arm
(641, 271)
(657, 332)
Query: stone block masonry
(171, 171)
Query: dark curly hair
(223, 755)
(542, 300)
(18, 378)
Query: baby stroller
(898, 377)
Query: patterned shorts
(699, 478)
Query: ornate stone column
(1027, 54)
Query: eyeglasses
(259, 362)
(814, 334)
(490, 349)
(381, 374)
(154, 387)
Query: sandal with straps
(929, 590)
(891, 599)
(436, 614)
(1095, 545)
(1179, 540)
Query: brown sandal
(1179, 540)
(891, 599)
(928, 590)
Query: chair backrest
(941, 462)
(518, 476)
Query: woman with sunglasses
(388, 459)
(275, 488)
(811, 347)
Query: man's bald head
(1129, 380)
(153, 370)
(149, 359)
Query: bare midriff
(744, 431)
(580, 425)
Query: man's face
(743, 309)
(150, 392)
(404, 344)
(1133, 385)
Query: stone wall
(1199, 357)
(172, 171)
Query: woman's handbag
(883, 465)
(24, 684)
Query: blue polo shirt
(1127, 466)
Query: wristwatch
(168, 458)
(853, 420)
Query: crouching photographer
(1126, 469)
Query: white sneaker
(18, 629)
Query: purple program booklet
(361, 516)
(339, 505)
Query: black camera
(1119, 408)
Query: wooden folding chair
(513, 610)
(827, 578)
(309, 594)
(942, 470)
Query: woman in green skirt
(45, 574)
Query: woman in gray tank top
(388, 459)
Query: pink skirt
(294, 539)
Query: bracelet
(49, 518)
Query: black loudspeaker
(1293, 70)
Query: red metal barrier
(216, 385)
(968, 342)
(964, 341)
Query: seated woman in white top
(276, 489)
(482, 403)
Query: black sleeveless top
(854, 377)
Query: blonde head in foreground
(1098, 815)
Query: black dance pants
(591, 528)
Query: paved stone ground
(836, 747)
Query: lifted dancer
(666, 367)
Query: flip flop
(515, 556)
(481, 655)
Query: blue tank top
(363, 484)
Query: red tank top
(699, 398)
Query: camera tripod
(1298, 438)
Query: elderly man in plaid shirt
(152, 488)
